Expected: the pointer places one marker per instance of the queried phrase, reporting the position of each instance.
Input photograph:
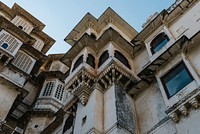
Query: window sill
(179, 96)
(162, 50)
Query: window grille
(8, 42)
(23, 61)
(22, 24)
(59, 92)
(48, 89)
(38, 45)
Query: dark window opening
(122, 58)
(68, 123)
(159, 42)
(36, 126)
(4, 59)
(91, 60)
(20, 27)
(176, 79)
(78, 62)
(84, 120)
(93, 36)
(4, 45)
(103, 58)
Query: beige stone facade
(113, 80)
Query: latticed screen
(23, 61)
(38, 45)
(59, 92)
(22, 24)
(8, 42)
(48, 89)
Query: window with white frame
(48, 89)
(9, 43)
(23, 61)
(176, 79)
(159, 42)
(59, 92)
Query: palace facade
(113, 79)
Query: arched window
(91, 60)
(68, 123)
(78, 62)
(122, 58)
(4, 45)
(103, 58)
(159, 42)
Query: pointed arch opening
(78, 62)
(91, 60)
(68, 123)
(104, 56)
(122, 58)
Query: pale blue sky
(60, 16)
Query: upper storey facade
(23, 46)
(32, 28)
(157, 68)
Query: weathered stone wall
(150, 108)
(37, 124)
(125, 118)
(8, 95)
(187, 24)
(93, 111)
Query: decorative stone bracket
(83, 92)
(80, 86)
(83, 82)
(115, 74)
(181, 108)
